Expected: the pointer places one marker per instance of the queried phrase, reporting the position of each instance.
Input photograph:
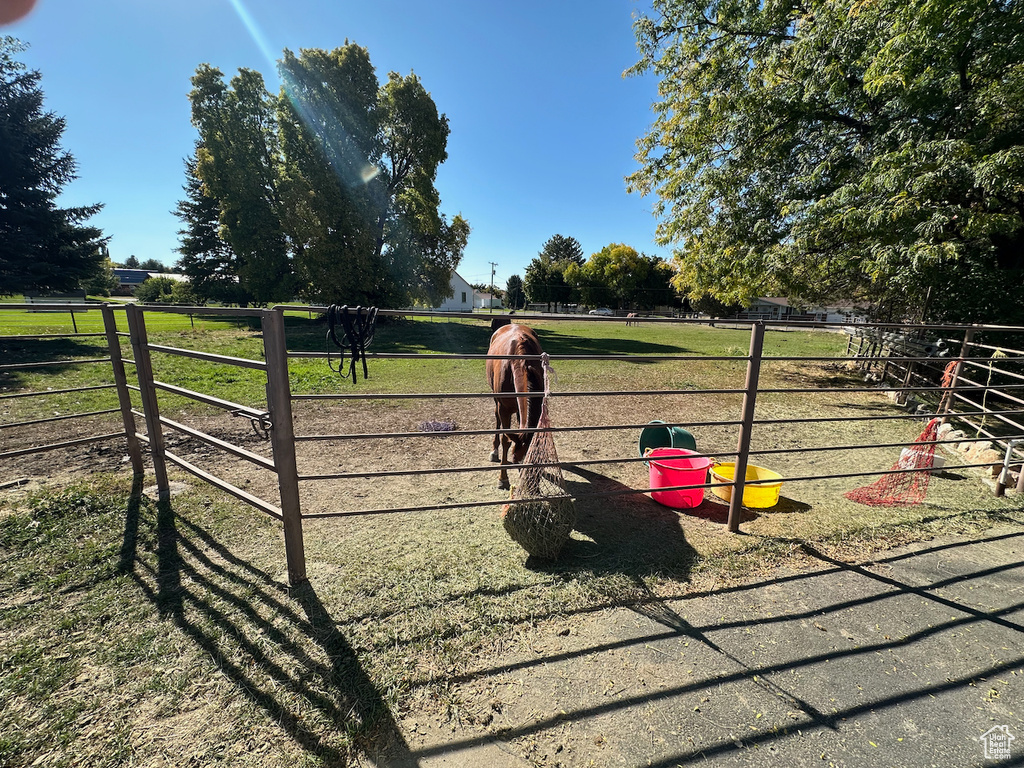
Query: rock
(975, 451)
(990, 456)
(955, 434)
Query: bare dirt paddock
(429, 638)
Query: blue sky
(543, 125)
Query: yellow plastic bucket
(755, 496)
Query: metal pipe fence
(113, 358)
(900, 367)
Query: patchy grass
(164, 633)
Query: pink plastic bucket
(678, 466)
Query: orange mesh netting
(903, 487)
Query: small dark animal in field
(632, 319)
(523, 377)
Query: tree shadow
(29, 351)
(280, 648)
(399, 336)
(556, 342)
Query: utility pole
(490, 303)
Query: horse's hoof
(503, 486)
(494, 456)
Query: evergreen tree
(206, 258)
(44, 248)
(515, 294)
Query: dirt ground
(731, 674)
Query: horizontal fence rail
(976, 386)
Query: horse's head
(520, 445)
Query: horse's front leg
(505, 443)
(497, 431)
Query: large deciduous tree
(332, 182)
(619, 276)
(831, 150)
(42, 247)
(238, 160)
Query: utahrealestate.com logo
(997, 742)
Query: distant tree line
(323, 192)
(617, 276)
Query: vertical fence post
(282, 437)
(949, 396)
(747, 425)
(121, 381)
(144, 370)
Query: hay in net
(903, 487)
(541, 515)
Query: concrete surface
(907, 660)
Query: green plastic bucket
(657, 435)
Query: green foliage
(206, 258)
(132, 262)
(545, 275)
(709, 305)
(157, 290)
(562, 250)
(830, 150)
(153, 265)
(238, 160)
(515, 293)
(44, 248)
(326, 191)
(619, 276)
(103, 281)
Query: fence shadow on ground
(279, 648)
(826, 712)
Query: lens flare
(370, 172)
(254, 29)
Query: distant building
(779, 308)
(486, 301)
(130, 279)
(460, 299)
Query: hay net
(543, 514)
(908, 482)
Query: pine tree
(44, 248)
(206, 257)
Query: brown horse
(520, 376)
